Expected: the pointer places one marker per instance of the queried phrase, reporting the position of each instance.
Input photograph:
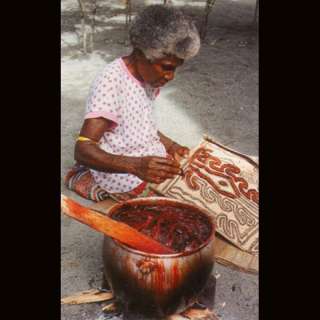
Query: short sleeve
(103, 98)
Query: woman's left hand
(178, 151)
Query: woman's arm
(88, 153)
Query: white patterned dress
(117, 96)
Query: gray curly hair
(160, 31)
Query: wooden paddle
(112, 228)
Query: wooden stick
(83, 26)
(196, 314)
(114, 229)
(87, 296)
(111, 307)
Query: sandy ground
(215, 93)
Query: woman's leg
(80, 180)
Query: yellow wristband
(81, 138)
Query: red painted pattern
(202, 159)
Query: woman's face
(158, 72)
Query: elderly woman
(119, 150)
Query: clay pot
(151, 285)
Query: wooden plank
(114, 229)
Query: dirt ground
(215, 93)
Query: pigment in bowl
(181, 229)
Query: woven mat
(225, 183)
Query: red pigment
(180, 229)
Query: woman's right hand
(156, 169)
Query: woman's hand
(173, 149)
(178, 152)
(156, 169)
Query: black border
(288, 161)
(31, 152)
